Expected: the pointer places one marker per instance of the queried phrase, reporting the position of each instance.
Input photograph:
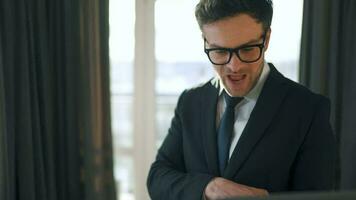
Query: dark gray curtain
(328, 66)
(55, 138)
(3, 145)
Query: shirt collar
(256, 90)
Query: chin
(237, 93)
(239, 89)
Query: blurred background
(88, 87)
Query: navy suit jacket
(287, 144)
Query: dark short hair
(208, 11)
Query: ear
(268, 36)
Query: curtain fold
(328, 66)
(55, 135)
(5, 175)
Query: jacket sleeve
(315, 165)
(168, 178)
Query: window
(122, 14)
(181, 61)
(156, 52)
(286, 34)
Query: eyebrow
(251, 42)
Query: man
(250, 131)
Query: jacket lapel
(208, 104)
(266, 107)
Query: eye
(247, 49)
(221, 52)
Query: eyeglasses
(246, 53)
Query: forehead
(232, 31)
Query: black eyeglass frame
(236, 51)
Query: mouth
(236, 79)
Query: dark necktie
(225, 130)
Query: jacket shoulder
(201, 88)
(303, 96)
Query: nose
(235, 63)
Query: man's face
(237, 77)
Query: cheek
(218, 70)
(254, 72)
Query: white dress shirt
(243, 109)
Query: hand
(220, 188)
